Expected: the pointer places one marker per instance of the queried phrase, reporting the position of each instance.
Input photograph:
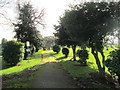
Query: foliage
(113, 63)
(89, 23)
(101, 22)
(65, 51)
(83, 55)
(62, 35)
(64, 38)
(13, 52)
(56, 48)
(48, 42)
(25, 28)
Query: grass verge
(20, 80)
(86, 76)
(21, 76)
(24, 64)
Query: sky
(53, 10)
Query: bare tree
(4, 6)
(38, 17)
(3, 3)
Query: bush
(83, 55)
(56, 48)
(13, 52)
(113, 63)
(65, 51)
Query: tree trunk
(95, 54)
(74, 54)
(25, 55)
(37, 50)
(103, 62)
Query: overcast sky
(53, 10)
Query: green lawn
(21, 79)
(27, 64)
(24, 64)
(22, 76)
(91, 61)
(76, 71)
(67, 64)
(36, 59)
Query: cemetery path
(53, 76)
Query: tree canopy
(26, 26)
(89, 23)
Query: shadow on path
(61, 58)
(53, 54)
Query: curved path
(53, 76)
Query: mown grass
(22, 76)
(20, 80)
(70, 66)
(118, 46)
(36, 59)
(24, 64)
(91, 61)
(75, 70)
